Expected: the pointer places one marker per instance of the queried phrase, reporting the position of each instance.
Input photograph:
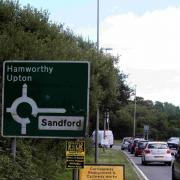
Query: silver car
(156, 151)
(125, 143)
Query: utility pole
(134, 124)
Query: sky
(145, 34)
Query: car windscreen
(157, 146)
(125, 140)
(173, 139)
(142, 144)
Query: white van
(107, 141)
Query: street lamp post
(134, 124)
(97, 24)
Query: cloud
(149, 46)
(153, 39)
(88, 32)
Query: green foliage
(163, 119)
(27, 34)
(22, 168)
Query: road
(151, 171)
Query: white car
(156, 151)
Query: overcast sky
(145, 33)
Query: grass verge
(109, 156)
(112, 156)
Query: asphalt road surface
(151, 171)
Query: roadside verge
(140, 174)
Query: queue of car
(156, 152)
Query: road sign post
(43, 99)
(146, 131)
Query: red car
(140, 147)
(133, 145)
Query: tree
(27, 34)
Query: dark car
(173, 142)
(140, 147)
(176, 165)
(130, 144)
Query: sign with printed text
(75, 153)
(102, 172)
(146, 128)
(45, 99)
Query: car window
(142, 144)
(173, 139)
(157, 146)
(151, 146)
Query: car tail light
(168, 151)
(147, 151)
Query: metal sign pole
(96, 136)
(75, 174)
(13, 148)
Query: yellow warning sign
(75, 153)
(75, 148)
(102, 172)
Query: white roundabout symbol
(35, 110)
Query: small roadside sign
(75, 153)
(146, 128)
(102, 172)
(45, 99)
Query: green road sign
(45, 99)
